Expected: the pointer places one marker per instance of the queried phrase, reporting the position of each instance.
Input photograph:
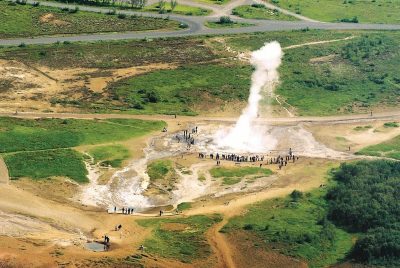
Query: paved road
(196, 27)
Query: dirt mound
(170, 226)
(51, 19)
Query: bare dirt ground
(39, 88)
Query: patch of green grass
(376, 11)
(214, 24)
(112, 155)
(218, 172)
(41, 148)
(185, 244)
(231, 176)
(259, 11)
(390, 148)
(184, 206)
(296, 228)
(39, 134)
(45, 164)
(26, 20)
(179, 9)
(159, 169)
(391, 125)
(177, 91)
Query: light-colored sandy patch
(4, 176)
(322, 59)
(341, 136)
(51, 19)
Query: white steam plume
(245, 135)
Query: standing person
(115, 209)
(123, 210)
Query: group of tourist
(124, 210)
(188, 137)
(279, 160)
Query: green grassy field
(295, 227)
(390, 149)
(176, 91)
(112, 155)
(182, 239)
(260, 12)
(160, 169)
(113, 54)
(44, 164)
(235, 175)
(26, 20)
(356, 75)
(41, 148)
(213, 24)
(375, 11)
(179, 9)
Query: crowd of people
(279, 160)
(187, 137)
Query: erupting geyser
(246, 135)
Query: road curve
(196, 27)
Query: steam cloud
(246, 135)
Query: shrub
(296, 195)
(225, 20)
(121, 16)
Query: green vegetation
(180, 238)
(184, 206)
(176, 91)
(27, 20)
(347, 76)
(391, 124)
(234, 175)
(259, 11)
(362, 128)
(390, 149)
(214, 2)
(160, 169)
(110, 155)
(366, 201)
(179, 9)
(44, 164)
(295, 226)
(374, 11)
(226, 22)
(40, 148)
(119, 54)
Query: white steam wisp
(246, 135)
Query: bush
(296, 195)
(121, 16)
(225, 20)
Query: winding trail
(4, 176)
(195, 26)
(298, 119)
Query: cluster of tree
(367, 200)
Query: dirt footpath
(4, 176)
